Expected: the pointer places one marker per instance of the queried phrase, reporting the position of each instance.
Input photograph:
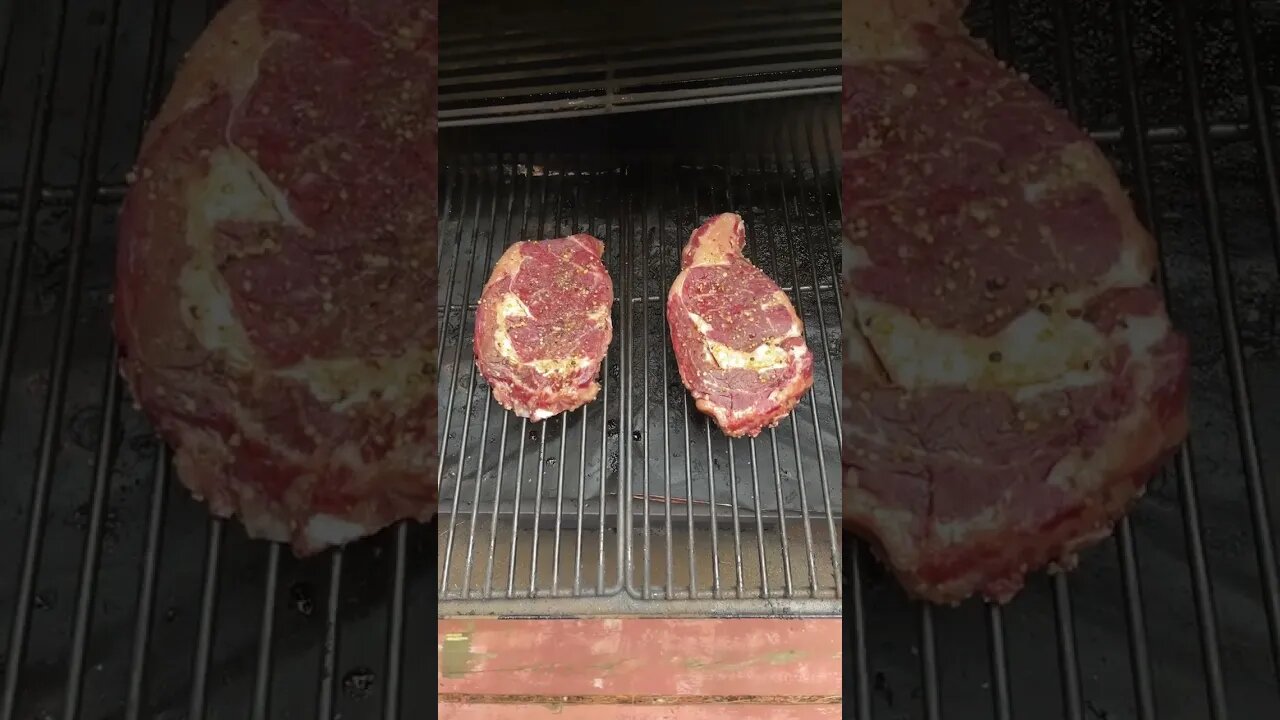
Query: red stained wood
(640, 657)
(624, 712)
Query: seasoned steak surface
(275, 263)
(738, 342)
(543, 325)
(1011, 379)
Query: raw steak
(738, 341)
(543, 325)
(275, 270)
(1011, 378)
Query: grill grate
(122, 598)
(1233, 606)
(674, 518)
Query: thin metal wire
(502, 446)
(669, 578)
(103, 461)
(456, 373)
(929, 664)
(774, 271)
(471, 391)
(395, 626)
(826, 353)
(793, 419)
(204, 635)
(104, 456)
(716, 590)
(161, 11)
(564, 434)
(688, 446)
(1188, 492)
(260, 708)
(134, 701)
(29, 206)
(48, 444)
(624, 413)
(729, 443)
(329, 651)
(1263, 127)
(524, 423)
(756, 499)
(1000, 694)
(644, 359)
(542, 426)
(484, 431)
(1224, 290)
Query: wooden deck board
(662, 658)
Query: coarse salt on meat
(543, 325)
(738, 342)
(274, 304)
(1011, 380)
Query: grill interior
(636, 503)
(504, 62)
(1176, 615)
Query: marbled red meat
(274, 304)
(543, 325)
(738, 342)
(1011, 379)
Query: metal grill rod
(52, 413)
(28, 207)
(329, 658)
(677, 36)
(803, 211)
(109, 193)
(755, 464)
(156, 48)
(1136, 622)
(261, 706)
(716, 590)
(1263, 127)
(1188, 492)
(1225, 293)
(1261, 121)
(542, 430)
(484, 432)
(793, 420)
(208, 606)
(471, 390)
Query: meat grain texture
(274, 303)
(1011, 380)
(543, 325)
(738, 342)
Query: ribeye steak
(1011, 379)
(738, 342)
(543, 325)
(274, 297)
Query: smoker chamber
(636, 503)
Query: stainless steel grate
(512, 68)
(119, 597)
(1195, 626)
(635, 504)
